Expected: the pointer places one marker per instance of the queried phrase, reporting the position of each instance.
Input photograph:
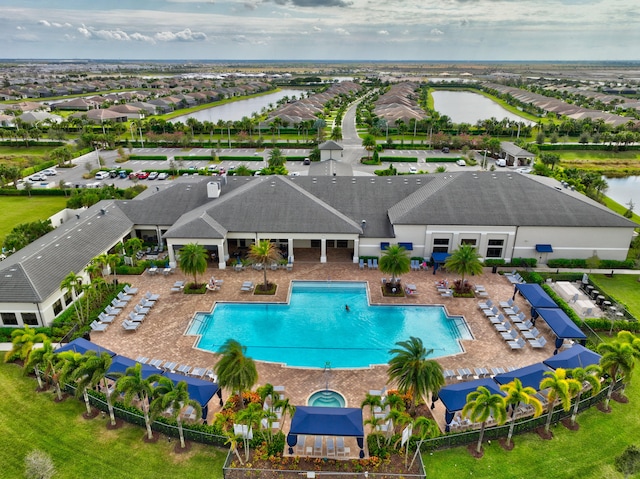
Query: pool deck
(162, 336)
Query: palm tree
(40, 361)
(264, 252)
(285, 407)
(251, 416)
(71, 283)
(517, 394)
(618, 357)
(23, 341)
(232, 440)
(480, 405)
(465, 260)
(276, 158)
(591, 374)
(395, 261)
(369, 143)
(426, 428)
(561, 389)
(413, 372)
(132, 246)
(134, 386)
(70, 362)
(168, 395)
(193, 260)
(89, 374)
(235, 370)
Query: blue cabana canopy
(529, 376)
(120, 364)
(454, 396)
(326, 421)
(575, 357)
(199, 389)
(439, 257)
(560, 323)
(81, 345)
(536, 296)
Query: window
(57, 307)
(315, 243)
(468, 241)
(30, 318)
(331, 243)
(342, 243)
(494, 249)
(440, 245)
(9, 319)
(441, 241)
(67, 298)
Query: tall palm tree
(618, 358)
(70, 362)
(517, 394)
(193, 260)
(413, 372)
(72, 283)
(132, 246)
(235, 370)
(251, 416)
(395, 261)
(480, 405)
(426, 428)
(168, 395)
(561, 390)
(232, 440)
(23, 341)
(276, 158)
(463, 261)
(264, 252)
(90, 373)
(40, 361)
(591, 375)
(134, 386)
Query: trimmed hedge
(148, 157)
(582, 263)
(442, 160)
(524, 262)
(241, 158)
(494, 262)
(397, 159)
(35, 192)
(194, 158)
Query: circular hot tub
(326, 398)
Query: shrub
(192, 288)
(407, 159)
(494, 262)
(148, 157)
(524, 262)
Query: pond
(236, 110)
(467, 107)
(622, 190)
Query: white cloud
(316, 29)
(44, 23)
(117, 35)
(435, 31)
(139, 37)
(383, 32)
(19, 27)
(341, 31)
(84, 31)
(185, 35)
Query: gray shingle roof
(33, 273)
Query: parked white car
(413, 170)
(102, 175)
(461, 162)
(163, 176)
(38, 177)
(50, 172)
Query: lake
(622, 190)
(467, 107)
(236, 110)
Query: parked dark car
(445, 149)
(306, 161)
(113, 174)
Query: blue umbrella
(529, 376)
(575, 357)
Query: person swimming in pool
(346, 308)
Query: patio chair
(517, 344)
(197, 372)
(449, 373)
(518, 318)
(524, 326)
(481, 372)
(464, 373)
(124, 297)
(507, 304)
(340, 449)
(111, 311)
(129, 290)
(503, 327)
(375, 263)
(488, 304)
(140, 310)
(136, 318)
(300, 445)
(247, 286)
(151, 297)
(184, 369)
(497, 319)
(105, 318)
(538, 343)
(317, 446)
(145, 303)
(370, 263)
(496, 371)
(156, 363)
(491, 312)
(130, 325)
(447, 294)
(96, 326)
(510, 335)
(116, 303)
(513, 311)
(361, 263)
(533, 334)
(331, 449)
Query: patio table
(166, 271)
(153, 270)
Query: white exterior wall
(573, 243)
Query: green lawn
(624, 287)
(85, 448)
(596, 155)
(586, 453)
(21, 209)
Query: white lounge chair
(122, 296)
(518, 318)
(105, 318)
(524, 326)
(317, 446)
(129, 290)
(130, 325)
(510, 335)
(145, 303)
(140, 310)
(514, 310)
(488, 304)
(506, 304)
(300, 445)
(331, 449)
(111, 311)
(538, 343)
(503, 327)
(340, 449)
(136, 318)
(116, 303)
(517, 344)
(151, 297)
(96, 326)
(533, 334)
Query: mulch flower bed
(272, 468)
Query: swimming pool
(315, 328)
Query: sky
(421, 30)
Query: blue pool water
(315, 329)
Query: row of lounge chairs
(171, 366)
(247, 287)
(323, 447)
(514, 277)
(371, 263)
(512, 333)
(466, 374)
(140, 311)
(106, 317)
